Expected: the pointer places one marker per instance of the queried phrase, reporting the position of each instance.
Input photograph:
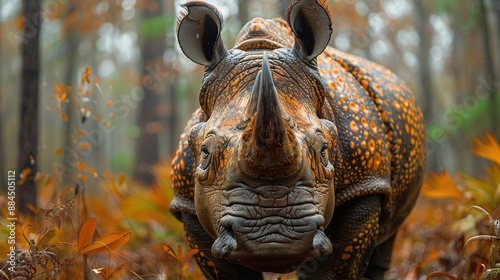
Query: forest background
(98, 92)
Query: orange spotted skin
(379, 150)
(382, 133)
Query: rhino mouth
(275, 233)
(273, 252)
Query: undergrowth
(100, 226)
(443, 238)
(121, 231)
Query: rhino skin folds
(300, 157)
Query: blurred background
(115, 91)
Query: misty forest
(94, 95)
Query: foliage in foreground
(101, 226)
(120, 231)
(438, 234)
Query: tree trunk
(496, 12)
(3, 171)
(172, 117)
(492, 72)
(69, 127)
(243, 11)
(426, 83)
(147, 147)
(28, 137)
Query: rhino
(300, 157)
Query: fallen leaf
(86, 232)
(108, 242)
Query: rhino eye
(204, 152)
(324, 158)
(205, 157)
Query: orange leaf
(47, 181)
(170, 251)
(81, 166)
(87, 232)
(24, 175)
(488, 149)
(121, 179)
(45, 239)
(179, 251)
(58, 88)
(105, 124)
(84, 145)
(86, 75)
(93, 172)
(64, 117)
(110, 102)
(105, 243)
(55, 96)
(178, 255)
(82, 177)
(66, 88)
(39, 176)
(21, 181)
(116, 271)
(63, 96)
(81, 132)
(20, 23)
(58, 151)
(189, 254)
(441, 185)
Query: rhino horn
(269, 147)
(254, 99)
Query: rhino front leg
(380, 260)
(353, 235)
(212, 268)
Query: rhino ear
(311, 24)
(198, 33)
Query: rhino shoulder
(183, 169)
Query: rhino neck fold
(268, 147)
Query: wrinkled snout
(271, 228)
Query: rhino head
(264, 186)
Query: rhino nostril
(321, 244)
(224, 244)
